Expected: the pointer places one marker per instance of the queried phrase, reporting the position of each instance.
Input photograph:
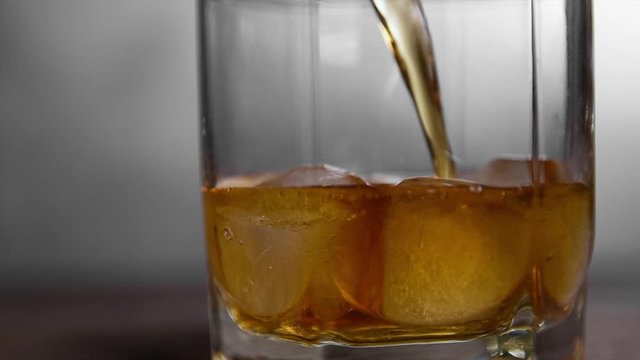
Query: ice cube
(380, 178)
(282, 247)
(512, 172)
(314, 175)
(250, 180)
(337, 260)
(452, 255)
(259, 266)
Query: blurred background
(99, 182)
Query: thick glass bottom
(561, 341)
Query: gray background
(99, 179)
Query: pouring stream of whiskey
(406, 32)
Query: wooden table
(171, 323)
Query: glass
(397, 179)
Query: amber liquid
(427, 259)
(406, 33)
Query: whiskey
(426, 259)
(407, 35)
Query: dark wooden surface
(171, 323)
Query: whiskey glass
(332, 230)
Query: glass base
(563, 341)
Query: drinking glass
(334, 231)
